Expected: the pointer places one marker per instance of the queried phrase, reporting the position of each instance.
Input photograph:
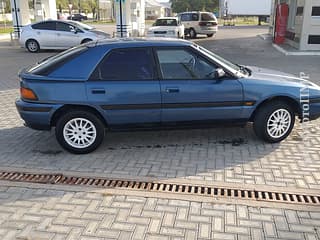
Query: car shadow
(158, 154)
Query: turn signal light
(28, 94)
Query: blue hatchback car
(140, 83)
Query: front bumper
(36, 116)
(314, 109)
(152, 35)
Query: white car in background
(168, 27)
(54, 34)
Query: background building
(155, 9)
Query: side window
(126, 64)
(185, 17)
(45, 26)
(64, 27)
(182, 64)
(195, 17)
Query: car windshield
(81, 25)
(207, 17)
(231, 66)
(49, 64)
(166, 22)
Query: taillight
(203, 24)
(28, 94)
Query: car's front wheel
(274, 121)
(210, 35)
(80, 132)
(32, 46)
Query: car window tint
(126, 64)
(45, 26)
(195, 17)
(64, 27)
(182, 64)
(207, 17)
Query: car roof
(194, 12)
(53, 20)
(140, 42)
(168, 18)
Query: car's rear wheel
(32, 46)
(192, 33)
(210, 35)
(274, 121)
(80, 132)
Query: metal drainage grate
(60, 179)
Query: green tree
(194, 5)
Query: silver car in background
(54, 34)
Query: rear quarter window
(208, 17)
(49, 65)
(81, 66)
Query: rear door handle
(172, 90)
(98, 91)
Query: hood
(100, 33)
(162, 28)
(278, 76)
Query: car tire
(192, 33)
(80, 132)
(274, 121)
(86, 40)
(210, 35)
(32, 46)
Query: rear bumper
(208, 30)
(36, 116)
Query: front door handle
(98, 91)
(172, 90)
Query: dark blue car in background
(138, 83)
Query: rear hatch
(208, 20)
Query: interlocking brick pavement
(232, 155)
(27, 213)
(229, 155)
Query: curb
(301, 53)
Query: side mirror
(219, 73)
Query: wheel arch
(289, 100)
(71, 107)
(86, 40)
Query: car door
(45, 33)
(66, 35)
(125, 87)
(189, 90)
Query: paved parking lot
(218, 155)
